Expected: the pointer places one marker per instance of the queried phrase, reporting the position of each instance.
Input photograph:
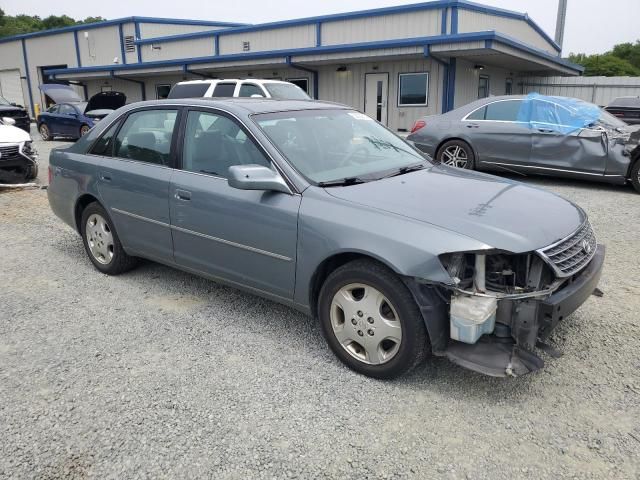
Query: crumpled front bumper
(532, 320)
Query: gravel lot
(162, 374)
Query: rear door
(500, 134)
(242, 236)
(134, 182)
(560, 146)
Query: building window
(413, 89)
(162, 91)
(508, 86)
(303, 83)
(483, 86)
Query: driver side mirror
(256, 177)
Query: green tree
(18, 24)
(607, 65)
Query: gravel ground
(162, 374)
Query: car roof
(215, 80)
(247, 105)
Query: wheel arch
(81, 203)
(460, 139)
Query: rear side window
(189, 90)
(146, 136)
(503, 111)
(105, 142)
(248, 89)
(224, 90)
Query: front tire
(635, 175)
(33, 172)
(456, 153)
(371, 321)
(45, 133)
(101, 242)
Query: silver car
(321, 208)
(534, 134)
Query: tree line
(623, 59)
(15, 25)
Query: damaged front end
(502, 306)
(18, 157)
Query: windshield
(286, 91)
(329, 145)
(4, 101)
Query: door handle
(472, 125)
(182, 195)
(105, 177)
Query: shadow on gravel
(542, 181)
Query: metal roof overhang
(488, 48)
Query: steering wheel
(349, 158)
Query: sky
(592, 26)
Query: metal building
(395, 63)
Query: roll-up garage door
(11, 86)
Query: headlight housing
(29, 150)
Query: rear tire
(635, 175)
(456, 153)
(45, 133)
(101, 242)
(371, 321)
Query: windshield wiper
(342, 182)
(407, 169)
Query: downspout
(445, 79)
(143, 88)
(306, 69)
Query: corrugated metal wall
(151, 30)
(471, 21)
(196, 47)
(467, 78)
(100, 46)
(349, 88)
(277, 39)
(387, 27)
(129, 29)
(598, 90)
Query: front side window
(507, 111)
(104, 144)
(213, 143)
(146, 136)
(224, 90)
(413, 89)
(249, 89)
(66, 110)
(329, 145)
(54, 109)
(483, 86)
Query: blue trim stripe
(409, 42)
(26, 70)
(119, 21)
(75, 40)
(454, 20)
(137, 30)
(443, 26)
(123, 53)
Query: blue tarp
(561, 114)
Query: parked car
(16, 112)
(534, 134)
(70, 117)
(253, 87)
(18, 158)
(626, 109)
(319, 207)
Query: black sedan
(16, 112)
(626, 109)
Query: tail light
(418, 125)
(50, 174)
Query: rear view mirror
(256, 177)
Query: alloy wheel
(99, 239)
(44, 132)
(365, 323)
(455, 156)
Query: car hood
(11, 134)
(60, 93)
(505, 214)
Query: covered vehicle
(320, 207)
(534, 134)
(18, 158)
(70, 116)
(16, 112)
(626, 109)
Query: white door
(11, 86)
(376, 92)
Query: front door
(134, 182)
(242, 236)
(376, 96)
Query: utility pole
(562, 16)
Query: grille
(9, 152)
(572, 254)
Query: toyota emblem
(586, 247)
